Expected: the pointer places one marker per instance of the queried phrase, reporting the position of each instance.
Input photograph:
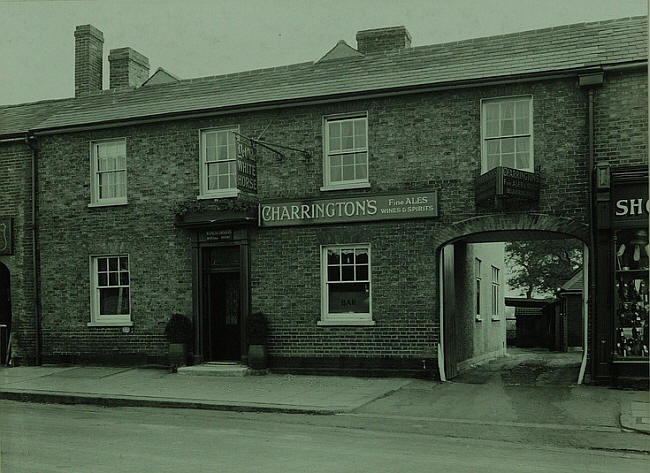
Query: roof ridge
(36, 102)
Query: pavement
(525, 388)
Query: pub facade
(342, 198)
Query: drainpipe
(29, 140)
(590, 81)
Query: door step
(215, 368)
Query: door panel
(223, 317)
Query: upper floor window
(218, 172)
(507, 133)
(108, 172)
(346, 152)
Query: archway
(5, 310)
(473, 232)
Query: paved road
(53, 438)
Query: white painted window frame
(477, 288)
(95, 201)
(97, 320)
(350, 318)
(328, 185)
(530, 133)
(204, 192)
(496, 293)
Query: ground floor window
(346, 292)
(631, 293)
(495, 292)
(110, 290)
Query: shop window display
(631, 297)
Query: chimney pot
(382, 40)
(128, 68)
(88, 57)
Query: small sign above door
(217, 235)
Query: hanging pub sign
(6, 237)
(246, 166)
(365, 208)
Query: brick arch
(507, 223)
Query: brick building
(340, 197)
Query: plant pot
(257, 358)
(177, 354)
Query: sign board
(365, 208)
(630, 201)
(6, 237)
(520, 184)
(218, 235)
(246, 166)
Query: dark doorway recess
(222, 317)
(5, 311)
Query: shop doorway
(476, 326)
(5, 311)
(222, 317)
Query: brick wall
(419, 141)
(15, 201)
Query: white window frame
(496, 293)
(328, 184)
(485, 139)
(477, 288)
(349, 318)
(204, 192)
(95, 200)
(116, 320)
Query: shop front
(623, 237)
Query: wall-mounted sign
(349, 209)
(246, 166)
(631, 201)
(6, 237)
(218, 235)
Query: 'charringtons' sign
(349, 209)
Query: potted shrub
(257, 327)
(179, 336)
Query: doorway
(5, 312)
(222, 317)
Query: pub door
(222, 317)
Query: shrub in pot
(179, 335)
(257, 327)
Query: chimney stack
(128, 68)
(383, 40)
(88, 56)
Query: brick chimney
(128, 68)
(88, 56)
(382, 40)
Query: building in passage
(346, 198)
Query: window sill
(496, 318)
(357, 323)
(107, 204)
(340, 187)
(110, 324)
(219, 195)
(478, 319)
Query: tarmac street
(40, 438)
(523, 412)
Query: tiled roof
(573, 284)
(552, 49)
(17, 119)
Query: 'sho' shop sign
(246, 166)
(6, 237)
(349, 209)
(631, 202)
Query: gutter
(341, 97)
(29, 140)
